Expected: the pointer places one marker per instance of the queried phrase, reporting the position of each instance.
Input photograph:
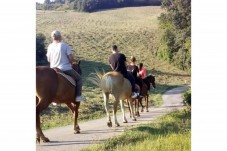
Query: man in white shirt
(59, 54)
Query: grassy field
(171, 132)
(91, 35)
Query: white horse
(115, 84)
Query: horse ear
(78, 62)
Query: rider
(142, 71)
(117, 62)
(59, 54)
(133, 68)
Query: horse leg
(37, 100)
(137, 107)
(74, 108)
(147, 103)
(135, 102)
(106, 104)
(140, 102)
(123, 111)
(116, 102)
(76, 126)
(131, 107)
(39, 108)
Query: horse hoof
(45, 140)
(109, 124)
(134, 119)
(76, 132)
(117, 125)
(38, 140)
(77, 128)
(141, 110)
(125, 121)
(147, 111)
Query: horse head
(76, 67)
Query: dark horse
(147, 82)
(53, 87)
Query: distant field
(91, 35)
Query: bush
(187, 97)
(40, 49)
(175, 44)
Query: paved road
(95, 131)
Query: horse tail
(95, 78)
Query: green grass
(171, 132)
(134, 30)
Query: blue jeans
(130, 77)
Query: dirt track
(95, 131)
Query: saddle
(67, 77)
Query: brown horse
(149, 80)
(120, 88)
(53, 87)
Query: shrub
(187, 97)
(40, 49)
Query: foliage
(39, 6)
(93, 5)
(170, 132)
(175, 44)
(187, 97)
(40, 49)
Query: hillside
(134, 30)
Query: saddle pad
(70, 79)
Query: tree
(40, 50)
(175, 45)
(47, 2)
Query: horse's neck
(147, 83)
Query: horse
(120, 88)
(53, 87)
(147, 81)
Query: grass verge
(168, 133)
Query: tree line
(92, 5)
(175, 44)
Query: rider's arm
(111, 66)
(71, 59)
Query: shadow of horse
(53, 87)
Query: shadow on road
(61, 143)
